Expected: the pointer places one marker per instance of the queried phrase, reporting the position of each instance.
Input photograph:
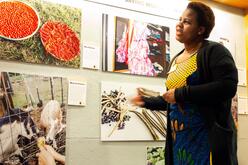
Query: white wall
(83, 145)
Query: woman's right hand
(138, 101)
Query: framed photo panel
(40, 32)
(122, 121)
(155, 155)
(32, 114)
(135, 47)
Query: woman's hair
(205, 16)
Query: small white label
(91, 56)
(77, 93)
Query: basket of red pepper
(60, 40)
(18, 20)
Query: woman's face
(187, 29)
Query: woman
(201, 82)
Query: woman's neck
(192, 47)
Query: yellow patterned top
(180, 71)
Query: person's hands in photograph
(47, 154)
(56, 155)
(45, 157)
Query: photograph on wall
(35, 31)
(234, 109)
(122, 121)
(32, 118)
(135, 47)
(155, 155)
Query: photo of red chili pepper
(52, 40)
(18, 20)
(60, 40)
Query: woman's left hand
(169, 96)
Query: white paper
(77, 93)
(242, 77)
(242, 105)
(91, 56)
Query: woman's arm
(155, 103)
(222, 83)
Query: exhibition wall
(84, 145)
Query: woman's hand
(138, 101)
(169, 96)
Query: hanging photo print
(155, 155)
(234, 109)
(135, 47)
(41, 32)
(32, 118)
(122, 121)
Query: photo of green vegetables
(155, 155)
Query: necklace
(175, 64)
(191, 52)
(194, 51)
(173, 68)
(185, 59)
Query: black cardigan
(218, 84)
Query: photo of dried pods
(122, 121)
